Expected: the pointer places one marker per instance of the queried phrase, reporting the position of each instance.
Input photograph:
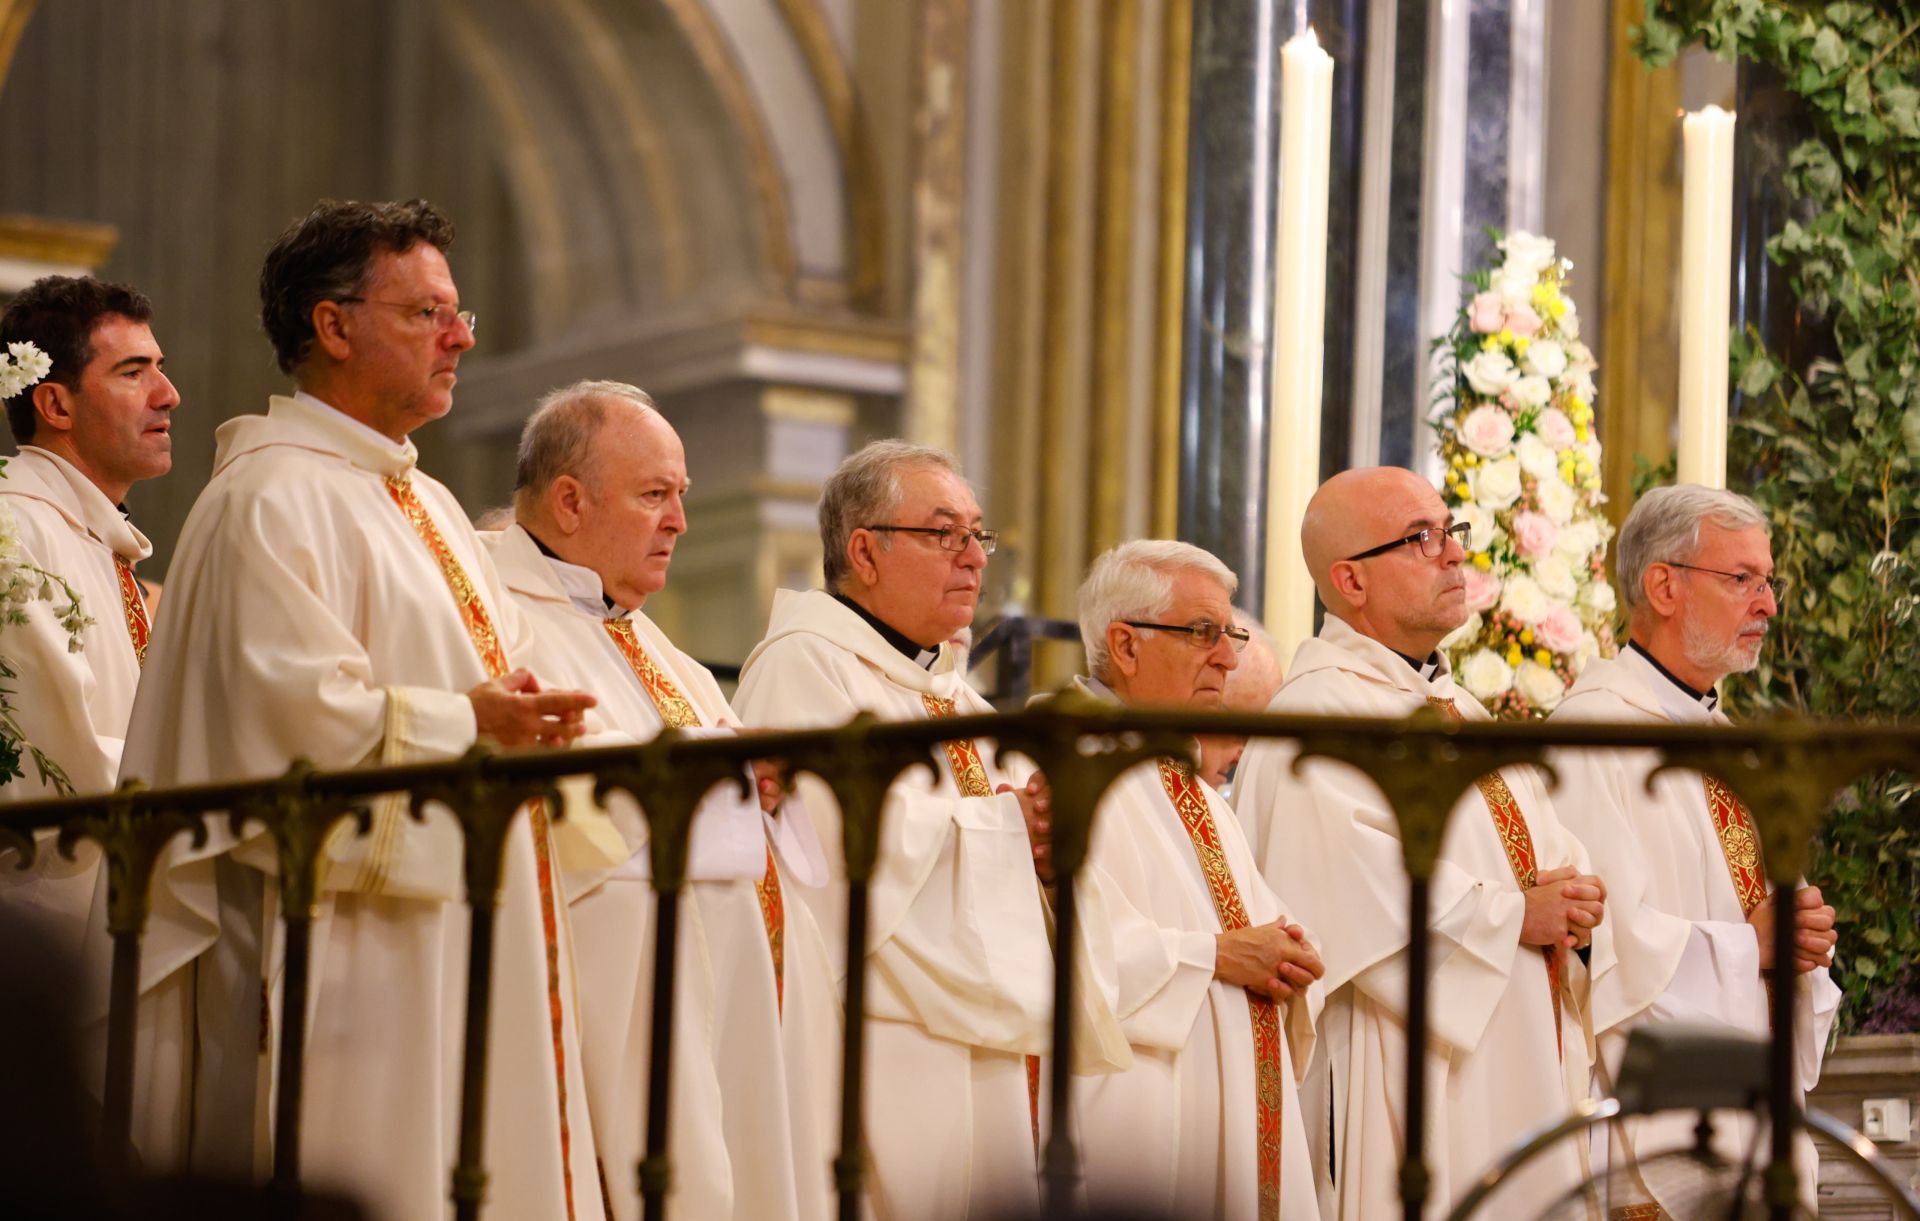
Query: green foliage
(1832, 449)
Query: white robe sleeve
(55, 694)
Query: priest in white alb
(598, 511)
(95, 424)
(1682, 860)
(1207, 1122)
(328, 601)
(1511, 895)
(959, 967)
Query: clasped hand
(1563, 908)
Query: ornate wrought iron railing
(1785, 772)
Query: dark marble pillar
(1772, 121)
(1232, 167)
(1404, 341)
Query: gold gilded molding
(1639, 366)
(1115, 296)
(852, 338)
(722, 67)
(612, 71)
(531, 178)
(938, 242)
(65, 243)
(14, 15)
(866, 218)
(1175, 83)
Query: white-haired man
(1251, 686)
(959, 976)
(597, 514)
(1510, 896)
(1208, 1119)
(1682, 860)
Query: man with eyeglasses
(1511, 896)
(330, 602)
(1682, 858)
(1215, 981)
(960, 970)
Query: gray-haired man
(1682, 860)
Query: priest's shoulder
(38, 524)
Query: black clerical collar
(1706, 699)
(907, 648)
(1425, 669)
(551, 554)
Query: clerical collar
(1706, 699)
(912, 651)
(1426, 669)
(583, 585)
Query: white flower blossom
(1490, 372)
(1486, 674)
(1523, 598)
(1546, 358)
(1481, 527)
(1496, 484)
(1527, 252)
(1531, 391)
(1556, 577)
(1555, 497)
(1577, 541)
(1537, 458)
(1487, 431)
(1599, 598)
(1539, 685)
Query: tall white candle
(1299, 326)
(1706, 290)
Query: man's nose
(167, 396)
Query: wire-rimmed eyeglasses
(1746, 584)
(440, 317)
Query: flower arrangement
(22, 583)
(1514, 410)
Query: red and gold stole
(970, 777)
(134, 604)
(486, 642)
(1511, 826)
(675, 709)
(1738, 843)
(1190, 802)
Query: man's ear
(1348, 582)
(862, 556)
(1661, 585)
(566, 502)
(330, 335)
(52, 407)
(1123, 648)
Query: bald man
(1510, 896)
(1250, 687)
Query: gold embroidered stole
(1733, 826)
(486, 642)
(677, 711)
(134, 605)
(970, 777)
(1510, 824)
(1190, 802)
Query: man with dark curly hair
(330, 602)
(95, 425)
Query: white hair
(1135, 581)
(560, 436)
(1664, 528)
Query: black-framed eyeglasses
(1432, 541)
(952, 538)
(440, 317)
(1204, 633)
(1747, 584)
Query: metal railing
(1785, 772)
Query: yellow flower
(1459, 460)
(1543, 657)
(1490, 344)
(1580, 433)
(1513, 655)
(1558, 309)
(1546, 296)
(1473, 460)
(1526, 635)
(1520, 345)
(1482, 561)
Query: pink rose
(1555, 428)
(1483, 589)
(1486, 315)
(1560, 630)
(1523, 322)
(1487, 431)
(1533, 534)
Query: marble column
(1232, 164)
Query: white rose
(1577, 541)
(1546, 358)
(1480, 526)
(1555, 497)
(1556, 577)
(1531, 391)
(1538, 685)
(1496, 484)
(1486, 674)
(1570, 321)
(1588, 650)
(1487, 431)
(1537, 458)
(1490, 372)
(1598, 598)
(1528, 251)
(1523, 598)
(1465, 632)
(1514, 285)
(1555, 428)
